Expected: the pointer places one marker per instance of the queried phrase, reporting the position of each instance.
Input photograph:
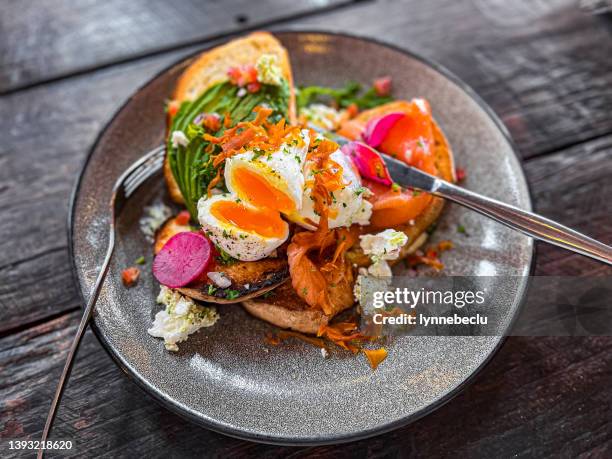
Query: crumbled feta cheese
(179, 138)
(241, 92)
(385, 245)
(380, 268)
(180, 318)
(322, 116)
(381, 247)
(268, 70)
(154, 217)
(219, 279)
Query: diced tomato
(382, 86)
(460, 174)
(129, 276)
(352, 110)
(253, 87)
(173, 107)
(242, 75)
(234, 74)
(183, 218)
(212, 122)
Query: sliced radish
(368, 162)
(182, 259)
(377, 128)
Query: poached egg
(272, 180)
(244, 231)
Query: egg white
(240, 244)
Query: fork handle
(76, 341)
(528, 223)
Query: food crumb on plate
(129, 276)
(181, 317)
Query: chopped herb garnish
(140, 261)
(211, 289)
(341, 97)
(359, 191)
(224, 257)
(232, 294)
(395, 187)
(416, 192)
(461, 229)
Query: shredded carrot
(445, 245)
(434, 262)
(227, 120)
(322, 277)
(213, 183)
(345, 335)
(256, 134)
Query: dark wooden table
(545, 67)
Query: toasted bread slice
(416, 231)
(249, 278)
(285, 309)
(211, 67)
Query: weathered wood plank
(538, 397)
(544, 67)
(48, 131)
(42, 40)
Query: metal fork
(124, 188)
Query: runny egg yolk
(260, 192)
(265, 222)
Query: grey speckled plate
(224, 377)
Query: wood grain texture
(544, 67)
(42, 40)
(574, 187)
(539, 397)
(49, 131)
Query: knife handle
(528, 223)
